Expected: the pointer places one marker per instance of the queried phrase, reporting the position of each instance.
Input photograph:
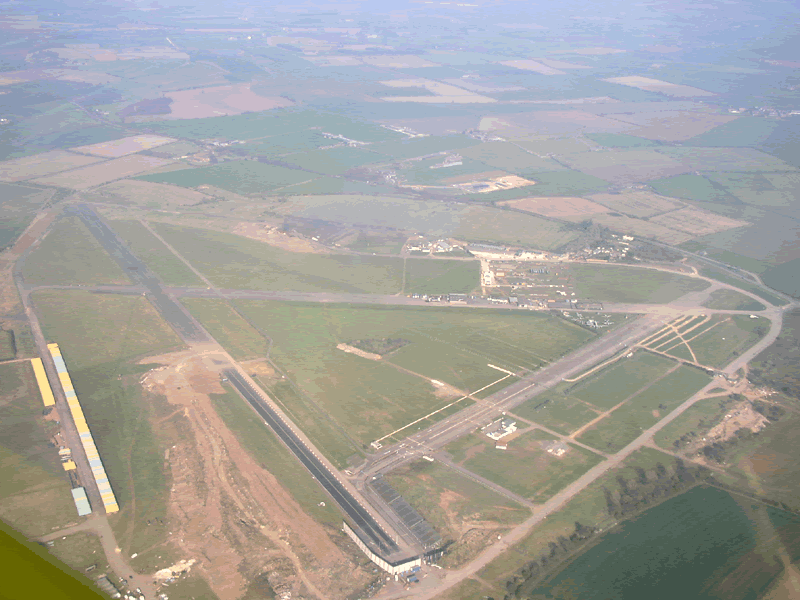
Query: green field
(699, 418)
(644, 410)
(726, 159)
(452, 504)
(554, 145)
(725, 299)
(7, 345)
(525, 468)
(743, 132)
(784, 278)
(332, 161)
(234, 262)
(415, 147)
(692, 187)
(235, 334)
(610, 283)
(557, 411)
(435, 276)
(510, 157)
(102, 338)
(241, 176)
(484, 224)
(35, 496)
(759, 189)
(155, 254)
(333, 392)
(728, 338)
(286, 144)
(619, 140)
(17, 209)
(566, 183)
(70, 255)
(759, 291)
(421, 173)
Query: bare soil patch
(124, 146)
(636, 203)
(94, 175)
(227, 511)
(144, 193)
(271, 235)
(95, 52)
(39, 165)
(358, 352)
(556, 206)
(221, 100)
(656, 85)
(697, 222)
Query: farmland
(94, 175)
(369, 399)
(39, 165)
(619, 284)
(70, 255)
(625, 166)
(20, 204)
(526, 467)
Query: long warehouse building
(99, 472)
(41, 380)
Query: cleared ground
(221, 100)
(94, 175)
(458, 508)
(637, 204)
(46, 163)
(124, 146)
(656, 85)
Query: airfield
(350, 314)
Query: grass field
(102, 338)
(726, 159)
(554, 145)
(80, 551)
(17, 210)
(434, 276)
(35, 496)
(510, 227)
(619, 140)
(743, 132)
(333, 392)
(241, 176)
(332, 161)
(457, 507)
(612, 385)
(234, 333)
(70, 255)
(557, 411)
(609, 283)
(700, 417)
(510, 157)
(644, 410)
(729, 300)
(566, 183)
(759, 189)
(156, 255)
(730, 336)
(692, 187)
(7, 345)
(525, 468)
(750, 287)
(286, 144)
(235, 262)
(415, 147)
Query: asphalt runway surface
(363, 520)
(137, 271)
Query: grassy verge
(235, 334)
(158, 257)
